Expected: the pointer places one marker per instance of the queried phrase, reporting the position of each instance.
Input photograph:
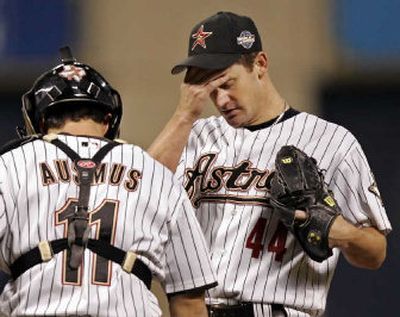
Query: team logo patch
(206, 182)
(86, 164)
(373, 188)
(72, 72)
(200, 37)
(246, 39)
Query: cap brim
(206, 61)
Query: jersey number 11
(104, 218)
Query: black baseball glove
(298, 184)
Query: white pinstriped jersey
(224, 171)
(135, 202)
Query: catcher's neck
(82, 127)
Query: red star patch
(200, 37)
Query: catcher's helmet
(66, 84)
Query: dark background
(370, 110)
(10, 115)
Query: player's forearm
(362, 247)
(168, 146)
(188, 305)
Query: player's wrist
(341, 233)
(184, 117)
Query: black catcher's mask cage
(70, 83)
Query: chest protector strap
(78, 226)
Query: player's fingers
(216, 82)
(300, 215)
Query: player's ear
(261, 64)
(42, 126)
(106, 122)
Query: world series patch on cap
(218, 42)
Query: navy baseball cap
(218, 42)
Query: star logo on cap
(71, 72)
(200, 37)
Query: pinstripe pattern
(156, 220)
(295, 281)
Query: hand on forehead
(197, 76)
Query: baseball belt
(241, 310)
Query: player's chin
(234, 119)
(234, 124)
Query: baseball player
(225, 162)
(87, 221)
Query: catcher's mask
(70, 83)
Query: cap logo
(246, 39)
(71, 72)
(200, 37)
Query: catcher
(87, 220)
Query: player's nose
(221, 98)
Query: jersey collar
(287, 115)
